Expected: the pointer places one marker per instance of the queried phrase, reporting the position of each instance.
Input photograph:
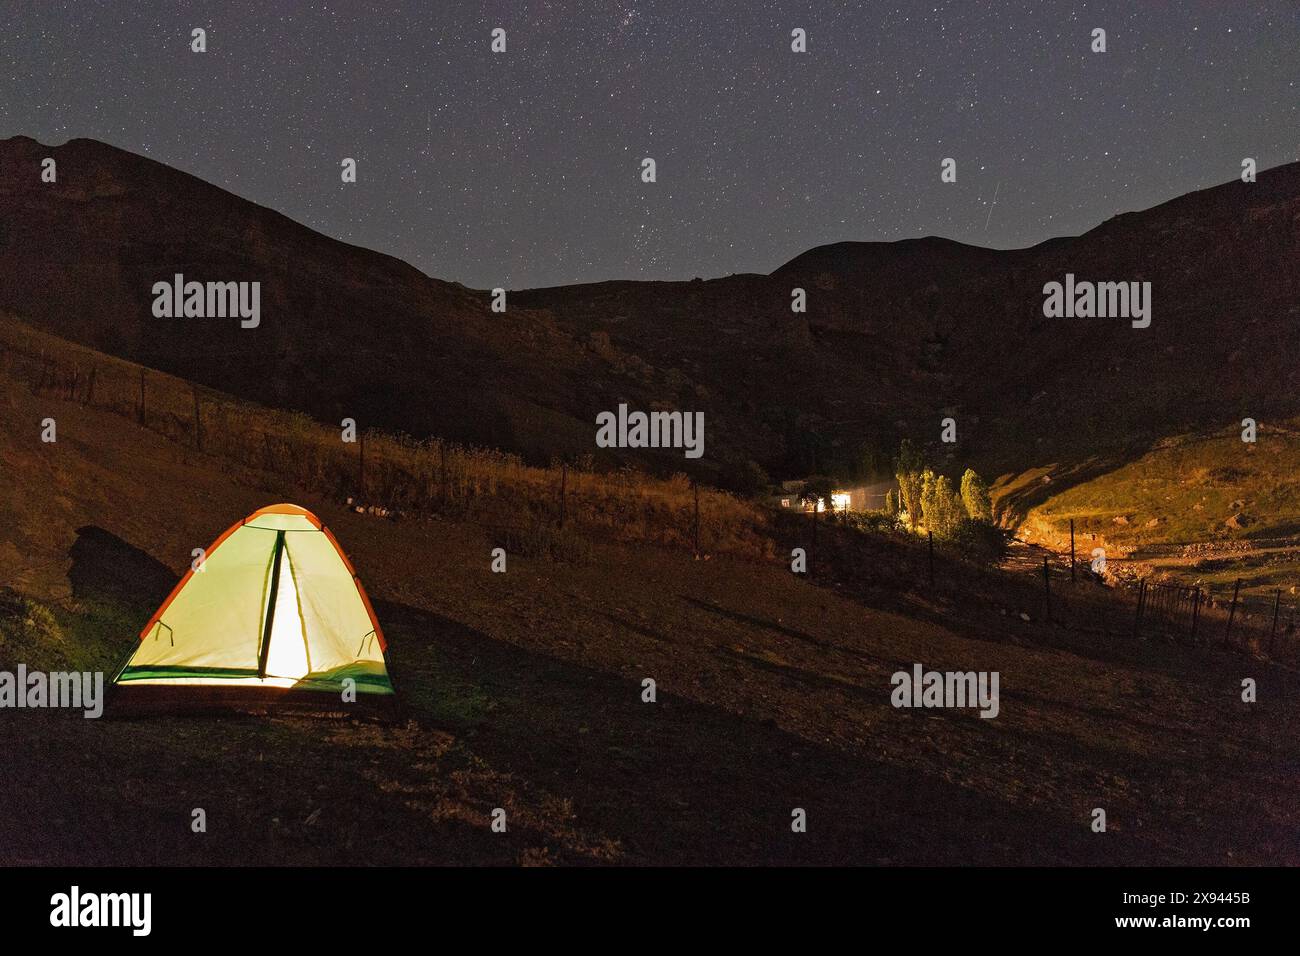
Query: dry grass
(397, 473)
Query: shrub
(29, 632)
(873, 522)
(980, 541)
(542, 538)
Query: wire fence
(1062, 595)
(535, 508)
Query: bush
(29, 633)
(872, 522)
(980, 541)
(542, 538)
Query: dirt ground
(523, 691)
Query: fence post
(930, 538)
(1196, 611)
(1072, 551)
(1277, 606)
(361, 465)
(812, 553)
(1232, 611)
(1137, 620)
(1047, 589)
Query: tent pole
(270, 605)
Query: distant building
(857, 497)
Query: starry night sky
(523, 169)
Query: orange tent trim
(280, 509)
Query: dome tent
(274, 606)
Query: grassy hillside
(523, 691)
(536, 508)
(1206, 509)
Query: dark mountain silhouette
(899, 335)
(344, 331)
(896, 335)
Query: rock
(1237, 521)
(1024, 616)
(1120, 519)
(1153, 522)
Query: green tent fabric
(275, 603)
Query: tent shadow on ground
(105, 567)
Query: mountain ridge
(897, 335)
(1271, 174)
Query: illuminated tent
(275, 605)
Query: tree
(891, 503)
(744, 476)
(941, 507)
(871, 462)
(817, 488)
(907, 471)
(975, 496)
